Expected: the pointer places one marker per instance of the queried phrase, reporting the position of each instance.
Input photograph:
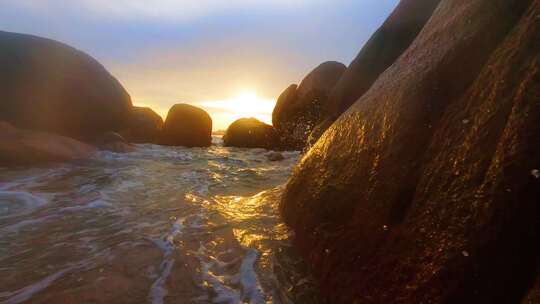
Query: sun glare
(247, 104)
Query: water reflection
(157, 225)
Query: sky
(231, 57)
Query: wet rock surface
(300, 108)
(187, 126)
(424, 192)
(251, 133)
(48, 86)
(380, 52)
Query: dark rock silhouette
(299, 109)
(275, 156)
(144, 127)
(187, 126)
(49, 86)
(425, 190)
(25, 147)
(251, 133)
(112, 141)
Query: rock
(380, 52)
(114, 142)
(23, 147)
(299, 109)
(145, 126)
(533, 296)
(275, 156)
(250, 133)
(398, 188)
(187, 126)
(48, 86)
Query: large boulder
(300, 108)
(144, 126)
(382, 49)
(186, 126)
(25, 147)
(250, 133)
(425, 190)
(46, 85)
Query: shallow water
(158, 225)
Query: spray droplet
(465, 253)
(535, 173)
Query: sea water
(158, 225)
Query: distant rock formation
(46, 85)
(426, 190)
(300, 108)
(187, 126)
(251, 133)
(25, 147)
(144, 126)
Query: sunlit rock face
(383, 48)
(48, 86)
(25, 147)
(251, 133)
(300, 108)
(534, 294)
(144, 126)
(187, 126)
(425, 190)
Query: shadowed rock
(250, 133)
(299, 109)
(144, 127)
(533, 297)
(424, 190)
(187, 126)
(23, 147)
(112, 141)
(49, 86)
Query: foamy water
(158, 225)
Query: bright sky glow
(245, 105)
(209, 53)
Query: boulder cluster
(426, 190)
(58, 103)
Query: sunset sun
(246, 104)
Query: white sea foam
(158, 290)
(251, 289)
(104, 207)
(16, 203)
